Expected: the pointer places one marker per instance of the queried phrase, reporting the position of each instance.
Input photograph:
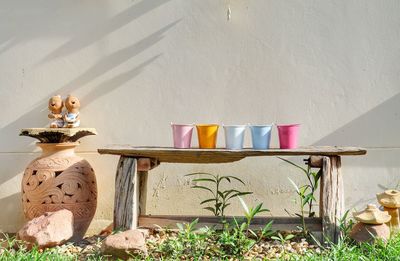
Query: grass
(45, 255)
(174, 249)
(34, 254)
(350, 251)
(12, 249)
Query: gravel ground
(90, 247)
(87, 248)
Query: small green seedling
(219, 198)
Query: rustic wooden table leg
(142, 191)
(143, 167)
(126, 202)
(332, 198)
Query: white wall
(333, 66)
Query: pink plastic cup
(182, 134)
(288, 136)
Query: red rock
(48, 230)
(107, 230)
(125, 244)
(368, 233)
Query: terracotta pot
(59, 179)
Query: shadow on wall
(98, 31)
(35, 116)
(12, 217)
(13, 165)
(377, 128)
(21, 24)
(28, 20)
(111, 84)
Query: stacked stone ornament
(371, 225)
(390, 200)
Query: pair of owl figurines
(68, 119)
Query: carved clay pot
(59, 179)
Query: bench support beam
(142, 191)
(131, 191)
(332, 198)
(126, 207)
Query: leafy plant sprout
(345, 226)
(310, 188)
(188, 242)
(302, 193)
(282, 239)
(237, 238)
(305, 192)
(250, 213)
(219, 198)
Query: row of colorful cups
(234, 135)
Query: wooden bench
(135, 162)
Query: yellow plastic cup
(207, 134)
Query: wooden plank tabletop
(220, 155)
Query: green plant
(302, 193)
(344, 250)
(282, 239)
(345, 226)
(188, 243)
(237, 238)
(266, 231)
(307, 190)
(187, 228)
(233, 240)
(220, 198)
(250, 213)
(306, 193)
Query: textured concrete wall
(333, 66)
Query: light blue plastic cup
(234, 136)
(260, 136)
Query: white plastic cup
(234, 136)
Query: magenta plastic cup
(182, 134)
(288, 136)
